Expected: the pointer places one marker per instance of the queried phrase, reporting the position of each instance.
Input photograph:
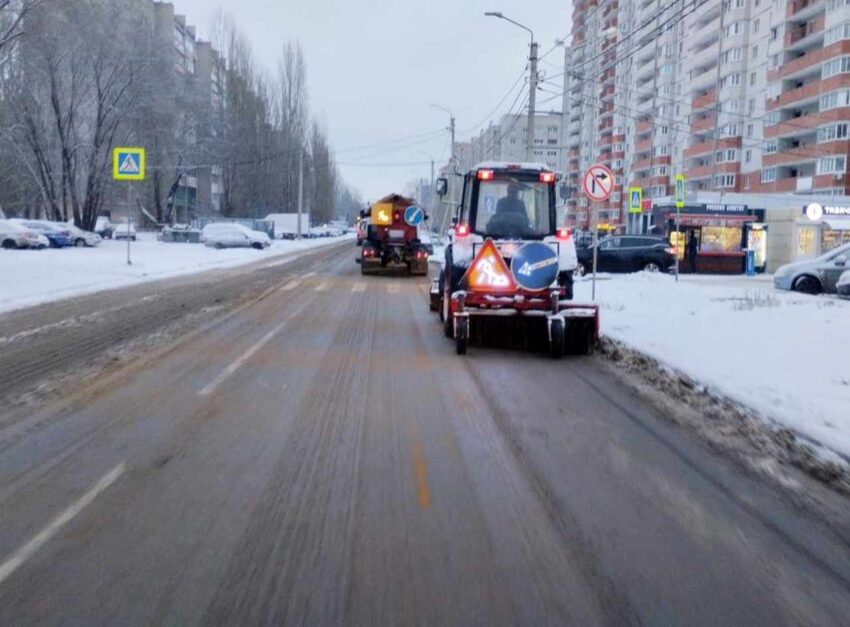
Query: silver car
(843, 285)
(815, 275)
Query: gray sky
(375, 65)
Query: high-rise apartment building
(736, 95)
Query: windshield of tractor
(512, 207)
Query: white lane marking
(244, 357)
(392, 289)
(28, 550)
(309, 275)
(321, 287)
(290, 286)
(359, 287)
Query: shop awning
(699, 219)
(838, 224)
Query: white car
(80, 238)
(124, 230)
(234, 235)
(16, 236)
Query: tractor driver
(511, 216)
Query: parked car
(80, 238)
(628, 253)
(15, 236)
(814, 276)
(234, 236)
(124, 230)
(58, 235)
(843, 285)
(104, 227)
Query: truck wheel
(556, 338)
(462, 336)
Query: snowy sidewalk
(784, 355)
(32, 277)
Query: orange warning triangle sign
(489, 272)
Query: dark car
(628, 253)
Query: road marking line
(309, 275)
(29, 549)
(359, 287)
(290, 286)
(244, 357)
(321, 287)
(422, 491)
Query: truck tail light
(563, 234)
(547, 177)
(485, 175)
(462, 230)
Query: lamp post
(532, 82)
(451, 127)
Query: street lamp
(532, 82)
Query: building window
(836, 33)
(725, 156)
(832, 165)
(832, 132)
(724, 180)
(833, 67)
(768, 175)
(806, 241)
(771, 119)
(834, 100)
(755, 52)
(748, 157)
(770, 147)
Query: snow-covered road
(784, 355)
(31, 277)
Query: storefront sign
(817, 212)
(714, 209)
(719, 208)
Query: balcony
(644, 146)
(805, 124)
(705, 101)
(707, 171)
(703, 124)
(804, 9)
(710, 146)
(802, 36)
(804, 154)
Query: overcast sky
(375, 65)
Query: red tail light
(563, 234)
(485, 175)
(547, 177)
(670, 251)
(462, 230)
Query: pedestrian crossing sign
(128, 164)
(635, 199)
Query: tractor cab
(508, 258)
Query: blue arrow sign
(414, 215)
(535, 266)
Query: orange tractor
(392, 237)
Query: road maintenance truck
(508, 271)
(392, 237)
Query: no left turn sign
(598, 182)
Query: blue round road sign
(414, 215)
(535, 266)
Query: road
(320, 456)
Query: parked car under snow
(233, 235)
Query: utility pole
(300, 192)
(532, 99)
(532, 83)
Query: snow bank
(31, 277)
(784, 355)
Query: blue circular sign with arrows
(535, 266)
(414, 215)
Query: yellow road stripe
(422, 491)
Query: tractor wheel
(556, 338)
(462, 336)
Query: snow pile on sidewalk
(31, 277)
(784, 355)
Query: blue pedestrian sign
(535, 266)
(128, 164)
(414, 215)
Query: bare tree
(13, 13)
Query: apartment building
(505, 140)
(736, 95)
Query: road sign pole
(595, 247)
(680, 202)
(129, 203)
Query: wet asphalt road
(321, 456)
